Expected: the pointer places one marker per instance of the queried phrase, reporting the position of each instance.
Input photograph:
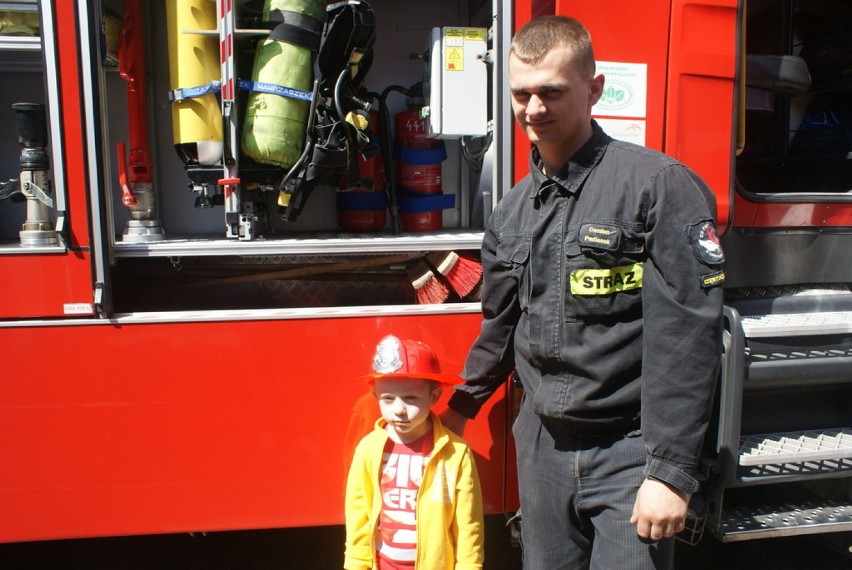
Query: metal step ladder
(768, 351)
(832, 446)
(793, 454)
(786, 520)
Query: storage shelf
(20, 54)
(20, 43)
(15, 248)
(302, 244)
(844, 83)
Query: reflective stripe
(712, 279)
(606, 281)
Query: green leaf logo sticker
(612, 96)
(616, 95)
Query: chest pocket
(604, 269)
(513, 253)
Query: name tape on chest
(606, 281)
(600, 236)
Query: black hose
(386, 137)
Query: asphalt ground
(322, 548)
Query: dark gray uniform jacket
(601, 286)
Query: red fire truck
(187, 298)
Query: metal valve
(31, 124)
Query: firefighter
(601, 289)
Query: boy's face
(404, 404)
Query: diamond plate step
(784, 520)
(796, 447)
(797, 324)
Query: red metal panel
(73, 132)
(119, 429)
(543, 7)
(626, 31)
(622, 31)
(780, 215)
(701, 93)
(524, 11)
(689, 48)
(42, 285)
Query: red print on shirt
(402, 474)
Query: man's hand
(660, 510)
(453, 421)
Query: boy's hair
(433, 384)
(541, 35)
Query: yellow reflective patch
(712, 279)
(606, 281)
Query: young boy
(412, 495)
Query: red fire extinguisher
(363, 207)
(418, 172)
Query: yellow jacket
(450, 531)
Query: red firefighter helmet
(397, 358)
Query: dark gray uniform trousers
(577, 494)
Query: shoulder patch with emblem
(705, 243)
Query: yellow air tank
(194, 65)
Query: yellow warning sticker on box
(454, 45)
(474, 34)
(454, 59)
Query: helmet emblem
(387, 358)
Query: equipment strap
(420, 157)
(425, 202)
(361, 201)
(348, 40)
(274, 89)
(191, 92)
(296, 29)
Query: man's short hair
(540, 35)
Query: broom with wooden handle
(462, 274)
(427, 287)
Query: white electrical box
(457, 88)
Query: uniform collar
(572, 174)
